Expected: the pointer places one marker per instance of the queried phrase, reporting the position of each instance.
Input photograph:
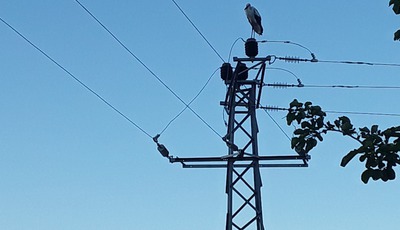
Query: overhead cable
(364, 113)
(353, 86)
(197, 29)
(148, 69)
(315, 60)
(301, 85)
(361, 63)
(292, 43)
(277, 124)
(273, 108)
(273, 120)
(194, 98)
(233, 45)
(77, 79)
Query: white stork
(254, 18)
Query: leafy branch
(379, 149)
(396, 10)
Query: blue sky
(68, 161)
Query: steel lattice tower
(243, 184)
(243, 161)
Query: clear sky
(68, 161)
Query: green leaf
(396, 6)
(371, 162)
(318, 135)
(305, 124)
(316, 110)
(367, 143)
(391, 173)
(347, 128)
(371, 173)
(384, 176)
(346, 159)
(311, 143)
(397, 35)
(374, 129)
(329, 126)
(295, 103)
(294, 142)
(381, 165)
(290, 118)
(377, 174)
(363, 157)
(365, 129)
(300, 146)
(337, 123)
(366, 175)
(344, 119)
(300, 132)
(320, 122)
(300, 116)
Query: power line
(360, 63)
(364, 113)
(76, 79)
(272, 108)
(183, 110)
(300, 85)
(128, 50)
(292, 43)
(148, 69)
(233, 45)
(277, 124)
(201, 34)
(287, 71)
(315, 60)
(352, 86)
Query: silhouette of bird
(254, 19)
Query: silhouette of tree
(379, 149)
(396, 10)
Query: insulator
(242, 71)
(292, 59)
(272, 108)
(251, 47)
(163, 150)
(280, 85)
(226, 71)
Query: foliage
(379, 149)
(396, 10)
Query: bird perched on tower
(254, 19)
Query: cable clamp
(160, 147)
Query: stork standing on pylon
(254, 19)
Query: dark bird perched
(254, 18)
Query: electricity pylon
(243, 184)
(243, 161)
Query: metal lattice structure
(243, 161)
(243, 184)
